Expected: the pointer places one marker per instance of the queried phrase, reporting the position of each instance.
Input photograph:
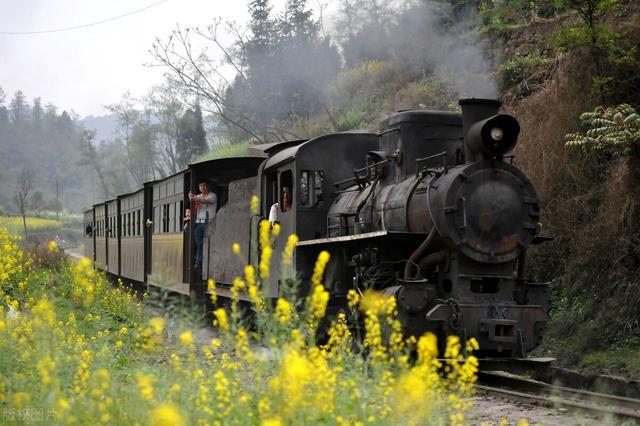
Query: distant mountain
(103, 125)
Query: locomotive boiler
(439, 218)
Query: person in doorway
(206, 203)
(276, 210)
(186, 220)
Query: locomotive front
(443, 224)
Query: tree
(4, 115)
(591, 12)
(19, 107)
(22, 195)
(191, 137)
(167, 110)
(138, 135)
(610, 130)
(37, 113)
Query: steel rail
(544, 394)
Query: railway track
(534, 392)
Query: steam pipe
(432, 259)
(419, 252)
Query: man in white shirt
(206, 203)
(276, 210)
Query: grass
(35, 225)
(88, 353)
(622, 361)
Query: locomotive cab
(310, 171)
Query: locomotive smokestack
(474, 110)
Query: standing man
(206, 203)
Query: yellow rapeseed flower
(287, 255)
(353, 298)
(265, 262)
(255, 204)
(186, 338)
(52, 246)
(318, 269)
(283, 311)
(221, 319)
(157, 324)
(265, 234)
(236, 248)
(317, 301)
(250, 275)
(211, 288)
(166, 415)
(145, 385)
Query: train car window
(138, 224)
(165, 218)
(318, 185)
(155, 220)
(271, 191)
(128, 224)
(181, 215)
(286, 180)
(172, 217)
(311, 184)
(179, 185)
(303, 188)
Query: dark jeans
(198, 234)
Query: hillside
(589, 201)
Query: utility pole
(57, 200)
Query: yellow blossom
(221, 319)
(265, 261)
(186, 338)
(254, 205)
(145, 385)
(287, 255)
(166, 415)
(283, 311)
(318, 269)
(236, 248)
(157, 324)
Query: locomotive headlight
(497, 134)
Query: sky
(87, 68)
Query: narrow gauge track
(543, 394)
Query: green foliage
(224, 151)
(521, 68)
(611, 129)
(354, 118)
(504, 15)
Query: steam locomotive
(429, 210)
